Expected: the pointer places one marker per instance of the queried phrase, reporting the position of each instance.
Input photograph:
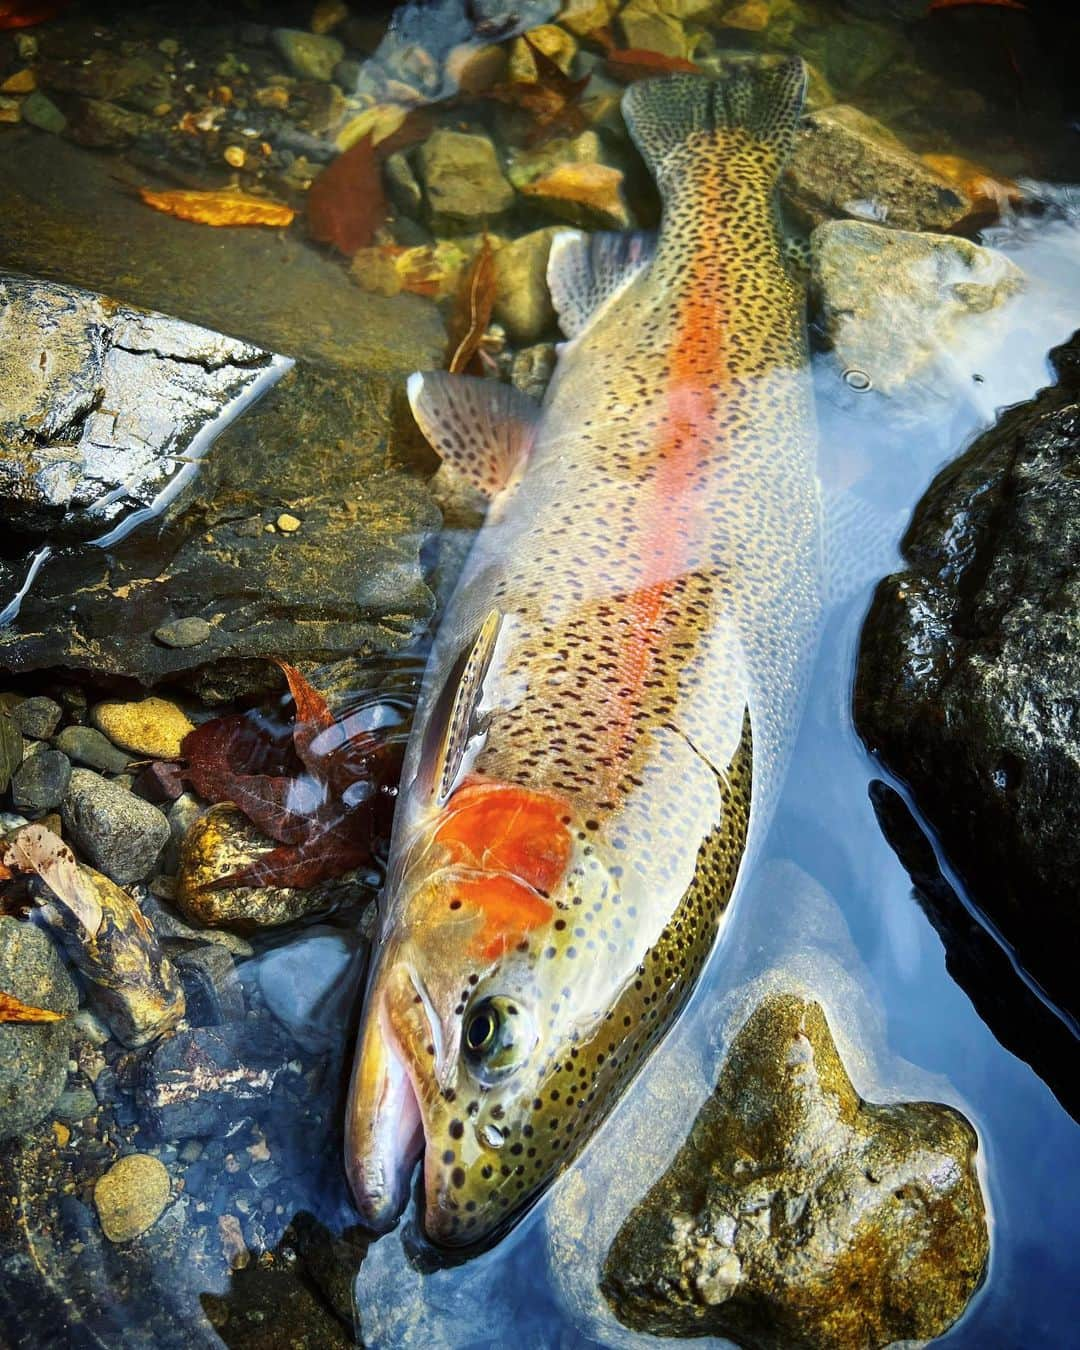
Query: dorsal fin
(483, 428)
(585, 271)
(455, 720)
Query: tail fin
(764, 102)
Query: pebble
(75, 1104)
(43, 114)
(311, 56)
(131, 1195)
(86, 745)
(61, 1133)
(40, 782)
(37, 717)
(119, 833)
(287, 524)
(153, 727)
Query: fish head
(476, 1049)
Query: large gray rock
(896, 305)
(969, 668)
(121, 834)
(333, 445)
(847, 165)
(103, 405)
(797, 1214)
(33, 1056)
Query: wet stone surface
(968, 670)
(797, 1214)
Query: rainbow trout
(613, 690)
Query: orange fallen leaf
(13, 1009)
(219, 208)
(635, 63)
(472, 314)
(552, 100)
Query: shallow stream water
(830, 909)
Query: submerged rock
(847, 165)
(310, 56)
(797, 1214)
(896, 305)
(11, 749)
(463, 181)
(522, 299)
(87, 746)
(41, 781)
(969, 667)
(33, 1056)
(223, 841)
(309, 984)
(200, 1082)
(120, 833)
(130, 1196)
(37, 717)
(153, 728)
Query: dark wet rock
(310, 56)
(223, 841)
(41, 781)
(969, 667)
(797, 1214)
(131, 1196)
(213, 992)
(11, 749)
(33, 1056)
(331, 1261)
(200, 1082)
(896, 305)
(847, 165)
(119, 833)
(309, 984)
(75, 1104)
(37, 717)
(137, 81)
(533, 368)
(463, 181)
(160, 782)
(99, 125)
(181, 814)
(183, 632)
(87, 746)
(272, 1307)
(98, 400)
(1024, 1023)
(171, 928)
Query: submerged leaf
(346, 204)
(552, 99)
(36, 849)
(636, 63)
(472, 313)
(219, 208)
(13, 1009)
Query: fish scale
(648, 581)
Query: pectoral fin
(483, 428)
(455, 721)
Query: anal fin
(483, 428)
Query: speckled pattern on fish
(629, 644)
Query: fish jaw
(384, 1135)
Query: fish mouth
(385, 1129)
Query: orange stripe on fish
(499, 827)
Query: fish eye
(497, 1038)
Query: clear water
(830, 909)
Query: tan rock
(586, 16)
(130, 1196)
(646, 27)
(522, 299)
(752, 16)
(589, 195)
(153, 727)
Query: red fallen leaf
(346, 204)
(472, 312)
(322, 802)
(636, 63)
(962, 4)
(26, 15)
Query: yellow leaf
(219, 208)
(380, 121)
(13, 1009)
